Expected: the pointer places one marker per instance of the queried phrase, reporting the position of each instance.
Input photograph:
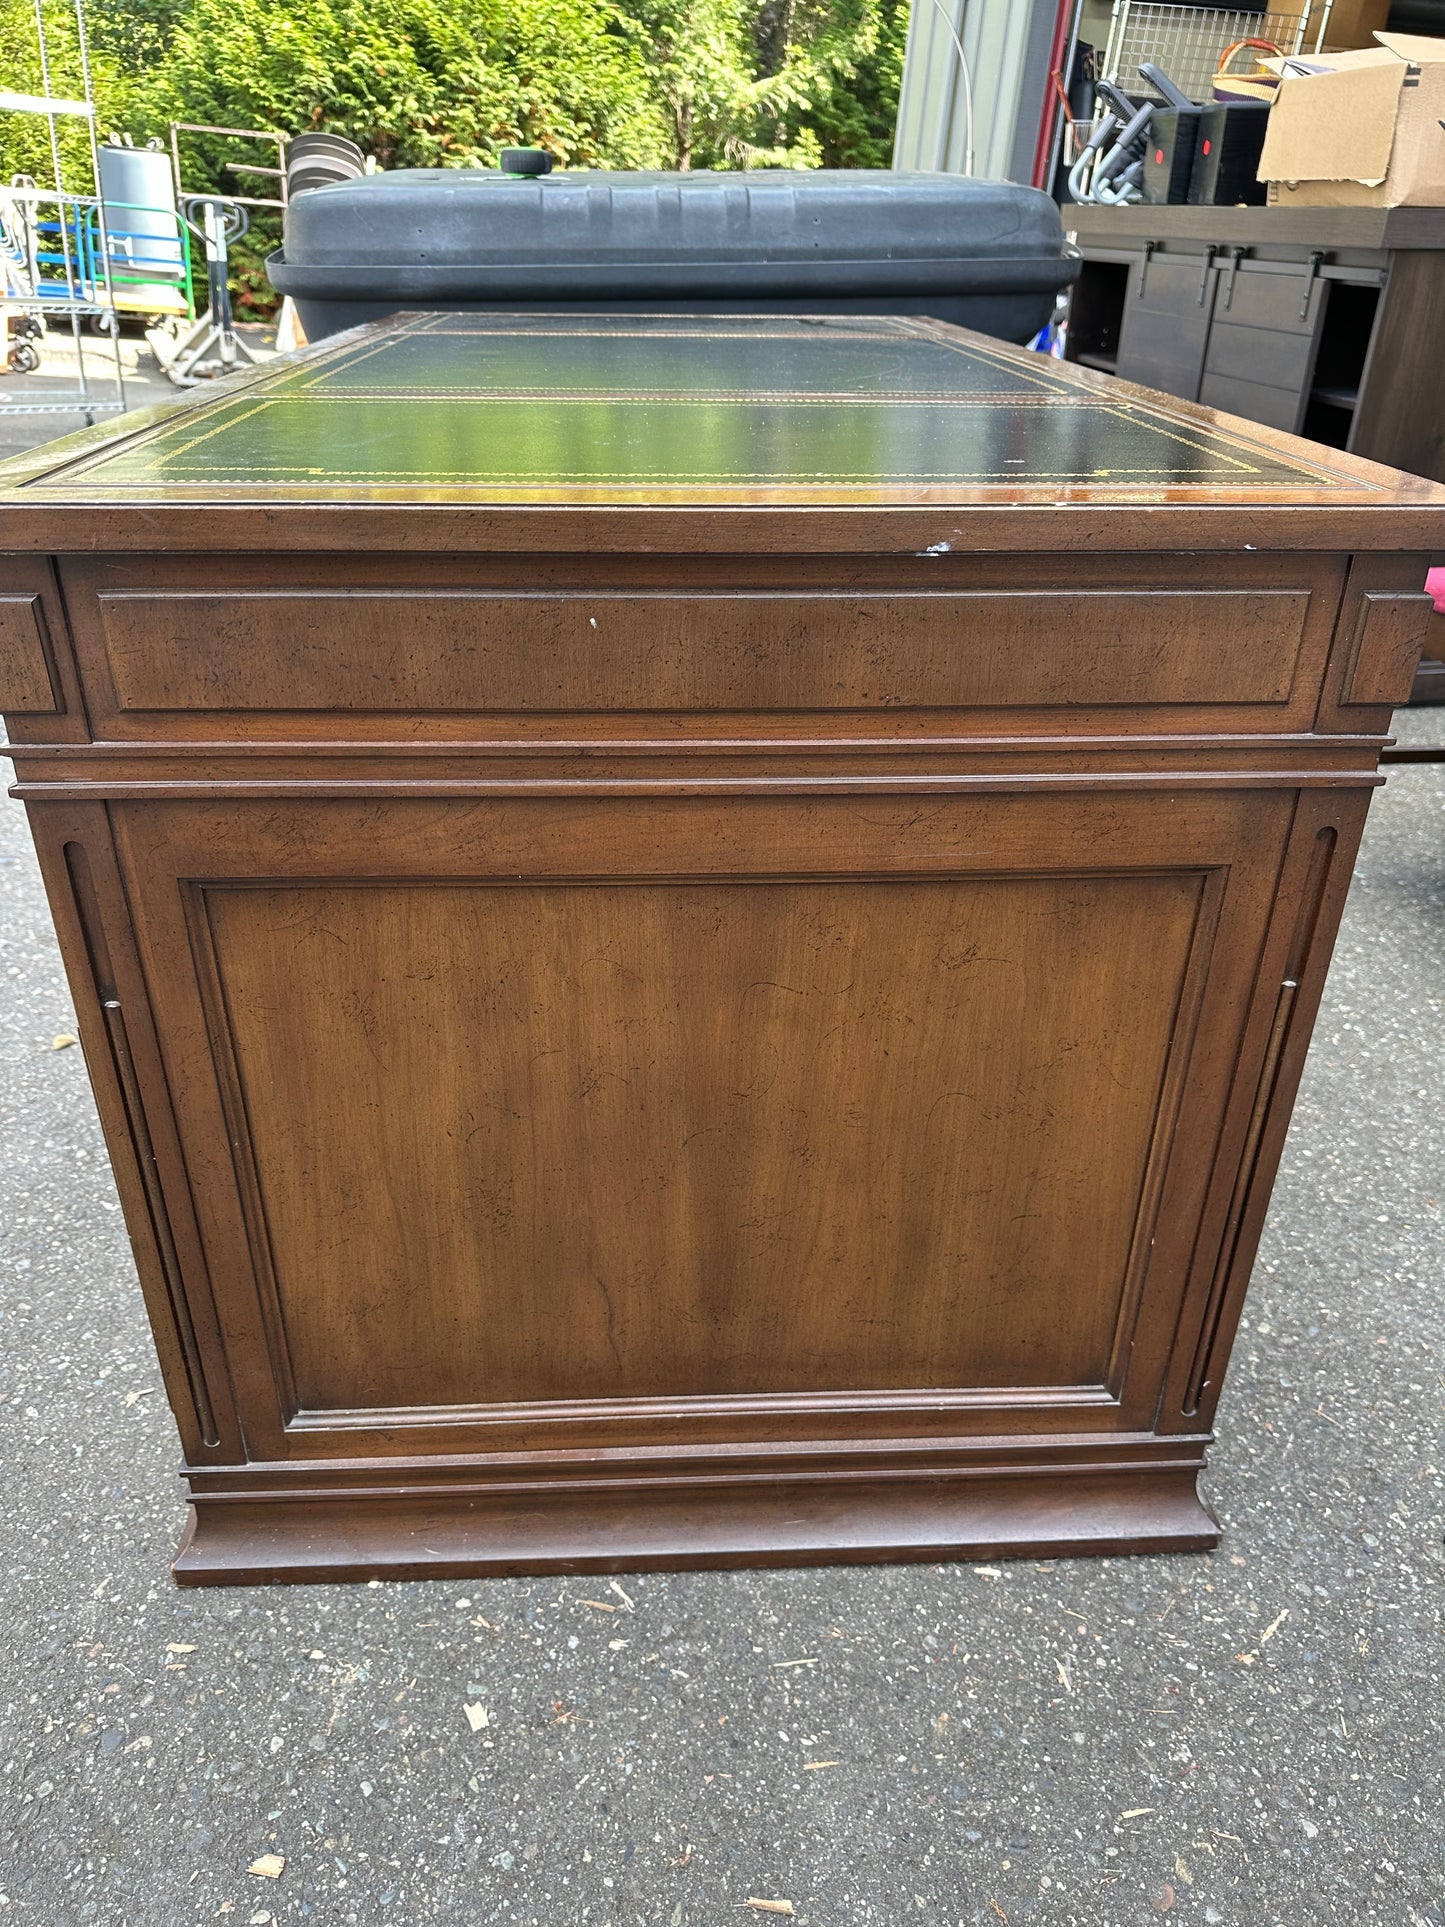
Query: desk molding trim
(690, 1523)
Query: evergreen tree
(448, 83)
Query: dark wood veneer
(649, 1034)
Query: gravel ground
(1250, 1736)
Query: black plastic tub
(985, 254)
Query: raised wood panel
(460, 648)
(468, 650)
(1391, 635)
(26, 688)
(686, 1119)
(40, 693)
(681, 1140)
(1383, 624)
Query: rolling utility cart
(149, 244)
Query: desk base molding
(615, 1526)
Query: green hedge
(417, 83)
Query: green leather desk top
(684, 410)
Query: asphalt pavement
(77, 364)
(1249, 1736)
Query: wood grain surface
(692, 1139)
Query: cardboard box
(1344, 24)
(1364, 130)
(1348, 23)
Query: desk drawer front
(1105, 639)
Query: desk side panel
(113, 1011)
(620, 1122)
(359, 1047)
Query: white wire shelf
(73, 404)
(56, 305)
(1187, 42)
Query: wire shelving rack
(55, 251)
(1187, 41)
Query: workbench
(695, 936)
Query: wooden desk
(695, 937)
